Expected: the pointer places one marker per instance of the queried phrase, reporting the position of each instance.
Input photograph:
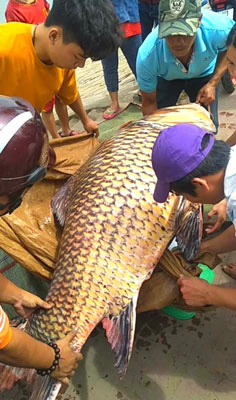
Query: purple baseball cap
(176, 152)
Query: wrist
(85, 119)
(211, 295)
(213, 82)
(55, 351)
(15, 296)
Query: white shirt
(230, 186)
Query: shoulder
(212, 21)
(151, 47)
(14, 35)
(230, 176)
(15, 28)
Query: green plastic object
(208, 275)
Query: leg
(192, 87)
(62, 113)
(168, 92)
(50, 124)
(145, 19)
(154, 13)
(110, 71)
(48, 119)
(130, 48)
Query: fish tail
(45, 388)
(189, 226)
(120, 334)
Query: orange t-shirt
(23, 74)
(5, 330)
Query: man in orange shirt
(38, 61)
(35, 12)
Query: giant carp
(114, 234)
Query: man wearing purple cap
(190, 162)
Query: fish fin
(60, 202)
(120, 334)
(45, 388)
(189, 226)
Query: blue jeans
(148, 17)
(168, 93)
(129, 48)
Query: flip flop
(72, 133)
(109, 113)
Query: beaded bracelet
(55, 363)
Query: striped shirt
(5, 330)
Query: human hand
(219, 210)
(27, 303)
(91, 126)
(68, 359)
(206, 94)
(195, 291)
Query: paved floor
(172, 359)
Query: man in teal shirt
(185, 52)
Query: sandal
(71, 133)
(109, 113)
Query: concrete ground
(172, 359)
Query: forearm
(149, 103)
(9, 293)
(231, 141)
(222, 243)
(78, 108)
(220, 69)
(24, 351)
(222, 297)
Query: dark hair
(216, 160)
(231, 39)
(91, 24)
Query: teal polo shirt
(156, 60)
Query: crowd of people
(183, 48)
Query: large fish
(114, 234)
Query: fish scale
(137, 259)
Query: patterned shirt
(230, 186)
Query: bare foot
(230, 270)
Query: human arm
(219, 210)
(89, 125)
(197, 292)
(69, 95)
(24, 302)
(206, 94)
(222, 243)
(231, 141)
(25, 351)
(149, 103)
